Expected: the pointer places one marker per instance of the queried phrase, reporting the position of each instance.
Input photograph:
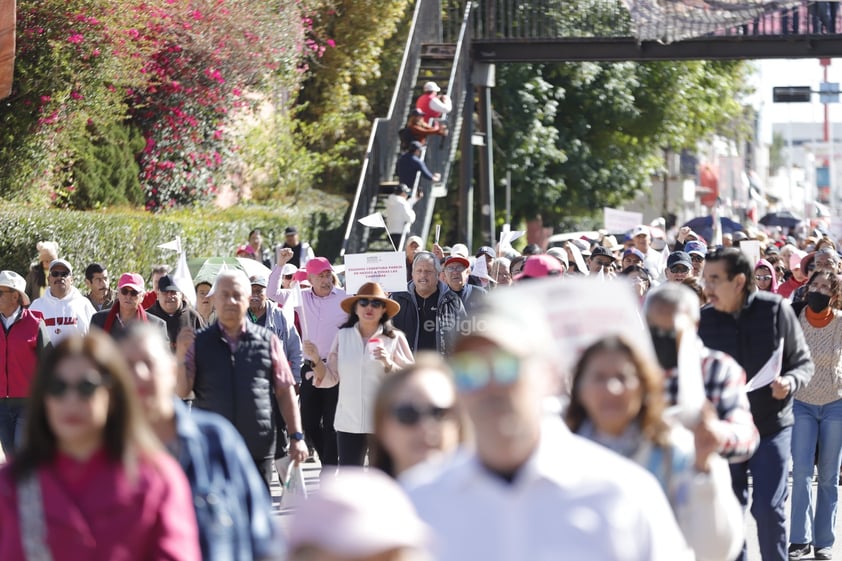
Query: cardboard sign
(751, 249)
(617, 221)
(388, 269)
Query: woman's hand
(310, 351)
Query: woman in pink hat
(365, 350)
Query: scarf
(627, 444)
(115, 310)
(819, 319)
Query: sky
(789, 72)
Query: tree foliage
(580, 136)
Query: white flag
(174, 245)
(373, 220)
(184, 280)
(480, 269)
(691, 387)
(770, 370)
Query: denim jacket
(233, 507)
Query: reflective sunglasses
(763, 277)
(126, 291)
(57, 274)
(474, 371)
(365, 303)
(409, 415)
(84, 388)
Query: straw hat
(371, 291)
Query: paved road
(311, 477)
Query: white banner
(617, 221)
(388, 269)
(751, 249)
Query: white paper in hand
(294, 489)
(770, 370)
(691, 388)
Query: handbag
(33, 528)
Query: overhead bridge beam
(628, 48)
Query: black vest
(240, 386)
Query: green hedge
(127, 240)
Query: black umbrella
(784, 218)
(703, 225)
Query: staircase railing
(441, 151)
(381, 152)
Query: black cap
(166, 284)
(290, 230)
(415, 145)
(486, 250)
(679, 258)
(601, 251)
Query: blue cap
(692, 247)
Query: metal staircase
(437, 50)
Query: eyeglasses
(57, 274)
(410, 415)
(84, 388)
(697, 258)
(454, 268)
(763, 277)
(287, 277)
(679, 269)
(603, 262)
(474, 371)
(126, 291)
(365, 303)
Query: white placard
(617, 221)
(388, 269)
(580, 311)
(751, 249)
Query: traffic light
(791, 94)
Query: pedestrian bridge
(450, 40)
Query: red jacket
(19, 349)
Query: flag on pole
(174, 245)
(373, 221)
(717, 226)
(184, 280)
(480, 269)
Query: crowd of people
(137, 426)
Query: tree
(580, 136)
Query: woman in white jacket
(617, 400)
(365, 350)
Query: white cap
(11, 279)
(289, 269)
(460, 249)
(431, 87)
(640, 231)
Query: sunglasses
(287, 277)
(126, 291)
(474, 371)
(679, 269)
(365, 303)
(84, 388)
(763, 277)
(57, 274)
(697, 258)
(409, 415)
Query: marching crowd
(137, 426)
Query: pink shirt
(322, 318)
(95, 511)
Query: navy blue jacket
(408, 166)
(751, 336)
(233, 507)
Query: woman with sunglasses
(817, 408)
(617, 400)
(365, 350)
(416, 416)
(765, 276)
(91, 481)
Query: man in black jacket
(760, 330)
(174, 310)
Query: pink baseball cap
(357, 514)
(538, 266)
(132, 280)
(318, 265)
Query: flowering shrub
(181, 72)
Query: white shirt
(64, 316)
(571, 500)
(8, 321)
(399, 213)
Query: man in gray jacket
(430, 313)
